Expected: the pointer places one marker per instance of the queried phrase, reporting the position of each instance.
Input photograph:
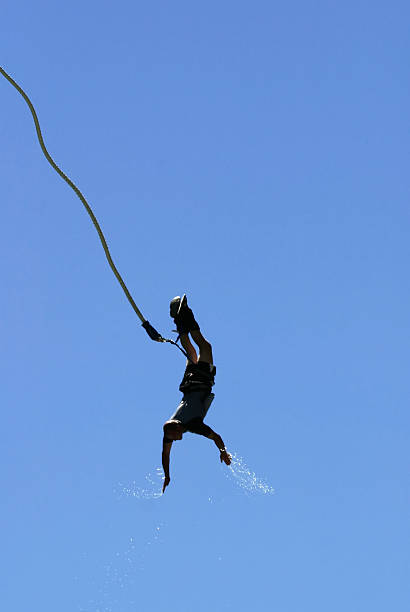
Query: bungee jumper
(199, 375)
(196, 386)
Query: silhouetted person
(196, 386)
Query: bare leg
(186, 325)
(205, 347)
(189, 348)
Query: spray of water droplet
(152, 488)
(122, 573)
(245, 478)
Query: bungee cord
(152, 333)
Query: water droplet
(246, 478)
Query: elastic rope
(77, 192)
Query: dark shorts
(193, 405)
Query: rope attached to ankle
(152, 333)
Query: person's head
(173, 430)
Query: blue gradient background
(255, 156)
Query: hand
(167, 480)
(226, 457)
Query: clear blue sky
(255, 156)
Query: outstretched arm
(224, 455)
(166, 450)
